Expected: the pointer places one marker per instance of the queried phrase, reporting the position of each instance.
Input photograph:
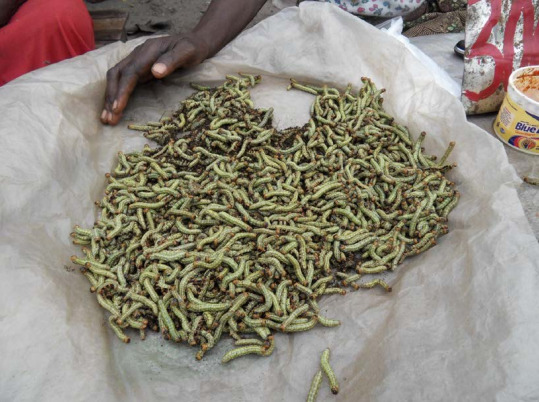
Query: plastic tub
(517, 123)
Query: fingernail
(103, 114)
(159, 68)
(115, 105)
(109, 117)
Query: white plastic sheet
(460, 325)
(394, 28)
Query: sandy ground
(166, 16)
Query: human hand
(155, 58)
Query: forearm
(159, 57)
(7, 9)
(223, 20)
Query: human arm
(7, 9)
(157, 58)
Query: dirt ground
(166, 16)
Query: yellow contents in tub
(529, 85)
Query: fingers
(120, 85)
(160, 70)
(127, 83)
(179, 56)
(155, 58)
(113, 76)
(123, 78)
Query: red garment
(43, 32)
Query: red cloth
(43, 32)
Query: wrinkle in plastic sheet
(461, 323)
